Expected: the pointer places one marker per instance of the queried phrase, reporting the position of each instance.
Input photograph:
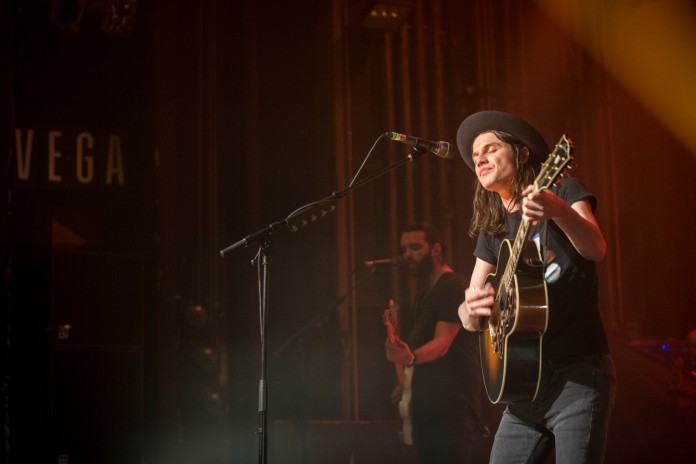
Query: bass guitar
(391, 321)
(511, 344)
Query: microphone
(441, 149)
(384, 262)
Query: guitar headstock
(557, 165)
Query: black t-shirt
(445, 388)
(575, 327)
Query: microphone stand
(299, 218)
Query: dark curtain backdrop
(197, 124)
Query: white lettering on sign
(52, 155)
(114, 166)
(23, 153)
(84, 159)
(84, 164)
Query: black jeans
(572, 412)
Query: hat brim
(489, 120)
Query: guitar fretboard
(515, 253)
(550, 171)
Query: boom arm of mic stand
(297, 214)
(415, 153)
(253, 237)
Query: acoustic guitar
(511, 344)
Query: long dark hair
(489, 211)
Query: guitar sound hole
(498, 341)
(501, 320)
(509, 308)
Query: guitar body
(405, 408)
(510, 346)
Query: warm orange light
(649, 47)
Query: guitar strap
(546, 256)
(545, 243)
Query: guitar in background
(404, 373)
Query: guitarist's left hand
(541, 206)
(398, 352)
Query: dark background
(163, 131)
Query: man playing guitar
(446, 384)
(570, 408)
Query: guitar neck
(523, 231)
(515, 253)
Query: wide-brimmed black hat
(485, 121)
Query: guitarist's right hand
(477, 304)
